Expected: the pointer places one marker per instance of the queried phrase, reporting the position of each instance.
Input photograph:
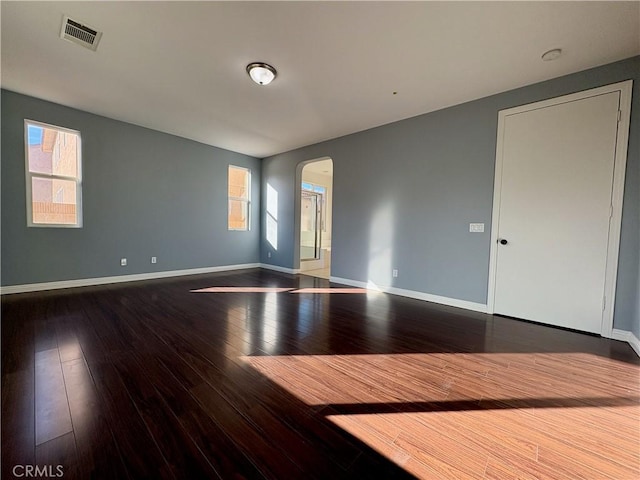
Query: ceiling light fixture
(261, 73)
(551, 54)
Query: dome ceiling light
(261, 73)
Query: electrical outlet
(476, 227)
(123, 262)
(394, 272)
(154, 259)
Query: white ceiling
(179, 67)
(322, 167)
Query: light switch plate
(476, 227)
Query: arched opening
(315, 199)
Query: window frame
(29, 176)
(239, 199)
(322, 191)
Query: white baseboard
(276, 268)
(452, 302)
(628, 337)
(86, 282)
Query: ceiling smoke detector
(551, 55)
(79, 33)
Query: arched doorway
(316, 195)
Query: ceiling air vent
(80, 34)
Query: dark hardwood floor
(157, 380)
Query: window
(239, 198)
(321, 191)
(53, 171)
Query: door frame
(619, 170)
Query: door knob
(503, 241)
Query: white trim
(86, 282)
(452, 302)
(628, 337)
(625, 89)
(615, 225)
(297, 206)
(277, 268)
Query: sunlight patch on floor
(242, 290)
(524, 380)
(452, 415)
(331, 290)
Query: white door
(554, 212)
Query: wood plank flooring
(270, 375)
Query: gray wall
(635, 324)
(144, 193)
(405, 193)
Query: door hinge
(604, 303)
(611, 211)
(619, 115)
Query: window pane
(52, 151)
(239, 198)
(53, 201)
(238, 182)
(238, 214)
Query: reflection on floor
(324, 262)
(319, 273)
